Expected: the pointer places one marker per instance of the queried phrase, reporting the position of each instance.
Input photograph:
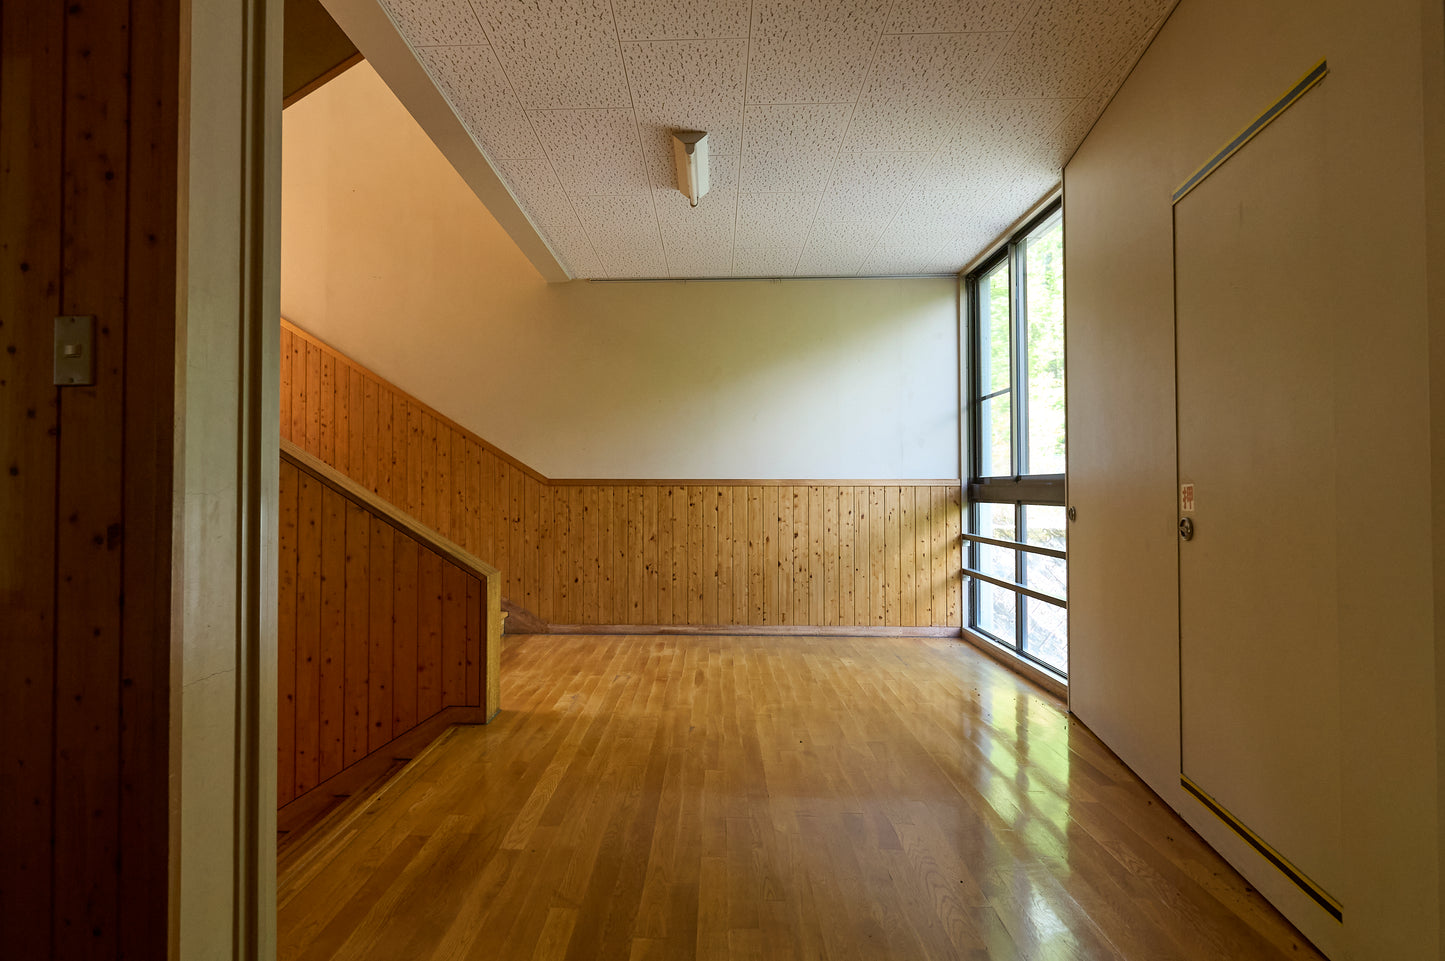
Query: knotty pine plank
(286, 556)
(877, 555)
(847, 570)
(380, 635)
(341, 426)
(817, 584)
(561, 546)
(516, 550)
(406, 555)
(356, 441)
(370, 440)
(532, 543)
(907, 563)
(832, 549)
(454, 635)
(429, 634)
(757, 561)
(651, 540)
(444, 485)
(315, 399)
(430, 493)
(722, 498)
(356, 738)
(637, 554)
(955, 556)
(332, 641)
(772, 582)
(547, 571)
(697, 564)
(681, 555)
(284, 382)
(476, 632)
(300, 364)
(308, 634)
(802, 555)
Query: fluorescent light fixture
(689, 150)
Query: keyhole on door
(1186, 529)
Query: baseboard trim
(754, 630)
(1018, 665)
(304, 809)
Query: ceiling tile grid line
(637, 132)
(858, 136)
(862, 86)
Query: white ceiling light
(689, 150)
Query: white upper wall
(389, 257)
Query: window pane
(1044, 274)
(1048, 637)
(1044, 526)
(996, 459)
(994, 355)
(997, 614)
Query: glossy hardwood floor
(668, 798)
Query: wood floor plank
(773, 798)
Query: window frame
(1021, 488)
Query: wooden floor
(668, 798)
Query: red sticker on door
(1186, 498)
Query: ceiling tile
(955, 16)
(775, 220)
(619, 221)
(837, 248)
(887, 261)
(995, 137)
(901, 125)
(425, 22)
(870, 185)
(478, 90)
(687, 85)
(680, 19)
(703, 261)
(637, 262)
(1064, 47)
(572, 245)
(838, 36)
(940, 67)
(593, 151)
(711, 221)
(558, 53)
(535, 184)
(791, 148)
(764, 261)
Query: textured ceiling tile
(812, 51)
(900, 125)
(636, 262)
(473, 81)
(687, 85)
(837, 249)
(955, 16)
(1064, 47)
(711, 221)
(558, 53)
(424, 22)
(572, 245)
(944, 68)
(680, 19)
(995, 137)
(939, 207)
(764, 261)
(704, 261)
(775, 220)
(618, 222)
(791, 148)
(535, 184)
(869, 186)
(594, 151)
(889, 261)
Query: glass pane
(998, 521)
(997, 614)
(1044, 526)
(996, 459)
(1044, 277)
(994, 354)
(1048, 637)
(1048, 575)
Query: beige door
(1258, 585)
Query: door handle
(1186, 529)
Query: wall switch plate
(74, 350)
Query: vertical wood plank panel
(429, 635)
(907, 568)
(637, 553)
(380, 639)
(651, 540)
(562, 546)
(832, 595)
(723, 580)
(285, 384)
(300, 364)
(476, 597)
(331, 752)
(877, 556)
(785, 535)
(516, 543)
(308, 635)
(771, 521)
(406, 624)
(547, 602)
(341, 418)
(355, 736)
(681, 547)
(711, 561)
(802, 558)
(315, 397)
(757, 555)
(817, 584)
(584, 507)
(847, 566)
(532, 543)
(666, 575)
(385, 450)
(955, 556)
(443, 493)
(356, 444)
(286, 555)
(453, 635)
(429, 498)
(475, 496)
(742, 604)
(326, 416)
(370, 437)
(696, 560)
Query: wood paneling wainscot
(388, 633)
(820, 556)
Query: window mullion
(1018, 356)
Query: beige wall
(1212, 69)
(389, 257)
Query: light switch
(74, 350)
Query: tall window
(1017, 541)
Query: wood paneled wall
(89, 148)
(380, 631)
(644, 553)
